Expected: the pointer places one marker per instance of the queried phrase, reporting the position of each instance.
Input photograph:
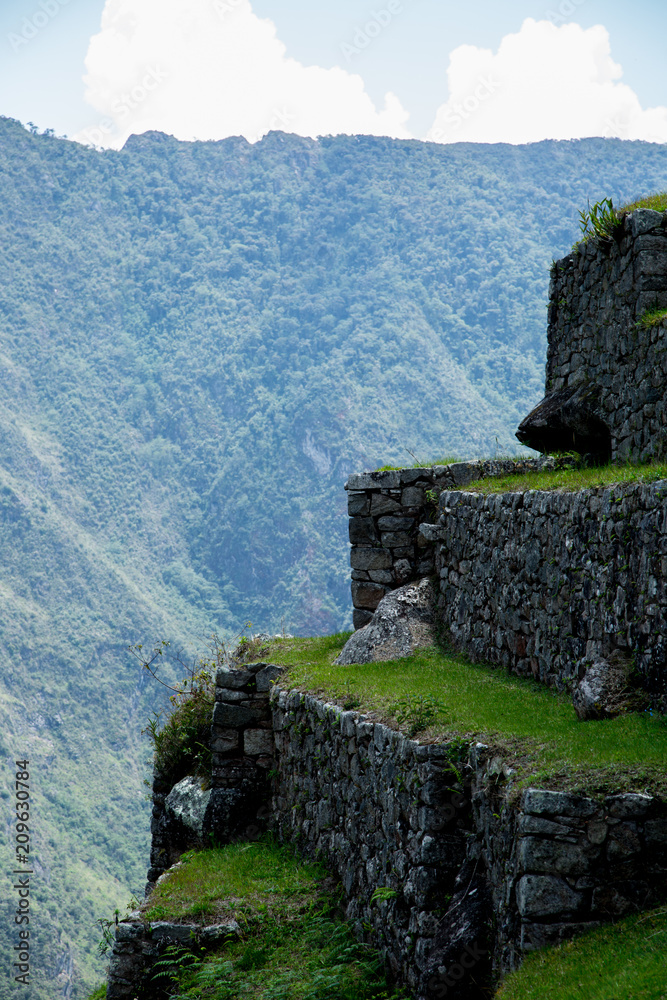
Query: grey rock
(232, 678)
(402, 623)
(540, 802)
(229, 716)
(367, 559)
(628, 805)
(216, 934)
(559, 857)
(540, 896)
(604, 691)
(266, 677)
(367, 595)
(187, 802)
(163, 931)
(258, 741)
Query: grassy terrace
(437, 695)
(293, 943)
(622, 962)
(570, 480)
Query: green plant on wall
(600, 222)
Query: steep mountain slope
(197, 343)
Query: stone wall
(605, 373)
(446, 868)
(539, 581)
(386, 509)
(432, 822)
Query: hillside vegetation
(198, 342)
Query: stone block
(629, 805)
(367, 595)
(225, 741)
(367, 559)
(362, 531)
(266, 676)
(360, 617)
(395, 539)
(228, 716)
(381, 504)
(540, 896)
(540, 802)
(236, 679)
(373, 481)
(413, 496)
(358, 504)
(258, 741)
(164, 931)
(555, 857)
(396, 523)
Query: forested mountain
(199, 341)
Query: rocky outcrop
(402, 623)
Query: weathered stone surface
(367, 595)
(370, 558)
(546, 896)
(402, 623)
(604, 690)
(258, 741)
(229, 716)
(266, 677)
(539, 802)
(540, 855)
(187, 803)
(459, 964)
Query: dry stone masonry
(386, 509)
(544, 583)
(606, 372)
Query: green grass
(416, 464)
(625, 961)
(651, 318)
(570, 480)
(658, 202)
(293, 944)
(99, 994)
(534, 727)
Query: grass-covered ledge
(571, 480)
(439, 696)
(626, 960)
(293, 943)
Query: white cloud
(544, 82)
(207, 69)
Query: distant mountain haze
(199, 342)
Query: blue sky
(405, 52)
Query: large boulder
(403, 622)
(604, 688)
(187, 803)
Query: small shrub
(417, 712)
(652, 317)
(599, 223)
